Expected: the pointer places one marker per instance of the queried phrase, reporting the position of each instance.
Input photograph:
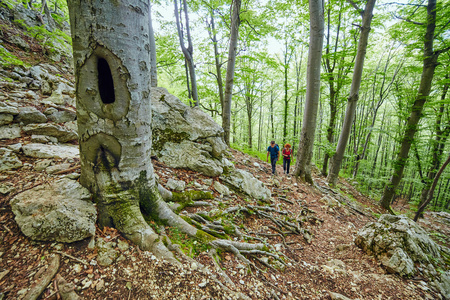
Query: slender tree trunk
(217, 61)
(429, 65)
(235, 22)
(305, 148)
(153, 70)
(336, 161)
(187, 51)
(431, 192)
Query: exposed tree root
(41, 283)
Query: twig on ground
(72, 257)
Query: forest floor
(329, 263)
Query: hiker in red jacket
(287, 152)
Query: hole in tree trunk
(105, 82)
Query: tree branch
(355, 6)
(409, 21)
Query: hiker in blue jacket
(274, 151)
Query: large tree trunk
(336, 161)
(305, 148)
(226, 116)
(429, 65)
(114, 113)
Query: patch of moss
(160, 137)
(204, 237)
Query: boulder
(62, 133)
(9, 160)
(244, 181)
(185, 137)
(30, 114)
(51, 151)
(60, 211)
(398, 242)
(9, 132)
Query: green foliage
(7, 59)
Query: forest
(396, 134)
(134, 156)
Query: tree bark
(429, 65)
(336, 161)
(153, 69)
(235, 22)
(217, 61)
(305, 148)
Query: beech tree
(114, 124)
(336, 161)
(226, 112)
(305, 148)
(430, 62)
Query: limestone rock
(9, 132)
(106, 252)
(30, 114)
(51, 151)
(222, 189)
(60, 132)
(9, 160)
(36, 138)
(61, 211)
(8, 109)
(6, 119)
(177, 185)
(190, 155)
(245, 182)
(398, 242)
(185, 137)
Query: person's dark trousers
(286, 164)
(273, 161)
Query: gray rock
(56, 98)
(61, 211)
(17, 40)
(245, 182)
(15, 147)
(106, 252)
(41, 165)
(185, 137)
(9, 160)
(28, 16)
(60, 132)
(398, 242)
(9, 132)
(30, 114)
(177, 185)
(337, 296)
(190, 155)
(6, 119)
(51, 151)
(8, 109)
(222, 189)
(36, 138)
(56, 168)
(62, 116)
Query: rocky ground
(330, 263)
(38, 146)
